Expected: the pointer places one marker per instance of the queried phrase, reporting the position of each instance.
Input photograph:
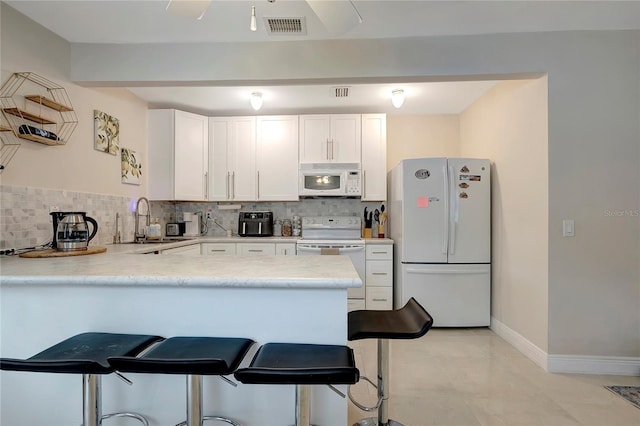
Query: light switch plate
(568, 228)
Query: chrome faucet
(139, 236)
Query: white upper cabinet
(178, 155)
(374, 157)
(277, 158)
(232, 158)
(330, 138)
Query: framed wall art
(131, 165)
(106, 132)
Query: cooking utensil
(376, 216)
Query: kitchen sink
(160, 241)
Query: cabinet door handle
(228, 190)
(328, 158)
(206, 185)
(233, 184)
(258, 186)
(217, 250)
(364, 184)
(379, 300)
(255, 250)
(379, 273)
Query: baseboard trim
(577, 364)
(530, 350)
(611, 365)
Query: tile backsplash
(25, 220)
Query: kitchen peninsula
(265, 298)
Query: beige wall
(75, 166)
(509, 126)
(415, 136)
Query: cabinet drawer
(219, 249)
(379, 252)
(379, 298)
(379, 273)
(258, 249)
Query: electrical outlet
(209, 216)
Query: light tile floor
(472, 377)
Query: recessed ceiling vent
(341, 92)
(286, 26)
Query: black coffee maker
(57, 218)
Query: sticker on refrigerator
(423, 202)
(464, 185)
(463, 195)
(422, 173)
(475, 178)
(464, 169)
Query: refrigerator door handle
(455, 200)
(445, 271)
(445, 227)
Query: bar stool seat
(86, 354)
(194, 357)
(409, 322)
(301, 365)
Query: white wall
(415, 136)
(75, 166)
(509, 126)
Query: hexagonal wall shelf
(37, 109)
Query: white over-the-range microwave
(330, 180)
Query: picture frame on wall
(106, 132)
(131, 166)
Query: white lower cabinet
(192, 249)
(249, 249)
(379, 276)
(286, 249)
(355, 305)
(256, 249)
(218, 249)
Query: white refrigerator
(440, 221)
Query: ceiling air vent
(341, 92)
(286, 26)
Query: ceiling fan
(338, 16)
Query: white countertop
(120, 266)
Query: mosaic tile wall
(25, 220)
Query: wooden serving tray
(55, 253)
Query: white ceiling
(147, 21)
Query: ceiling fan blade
(338, 16)
(189, 8)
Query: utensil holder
(366, 233)
(380, 231)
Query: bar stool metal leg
(91, 399)
(92, 403)
(194, 405)
(383, 391)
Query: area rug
(630, 393)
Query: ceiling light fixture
(256, 100)
(397, 97)
(254, 24)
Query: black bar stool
(86, 354)
(195, 357)
(409, 322)
(301, 365)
